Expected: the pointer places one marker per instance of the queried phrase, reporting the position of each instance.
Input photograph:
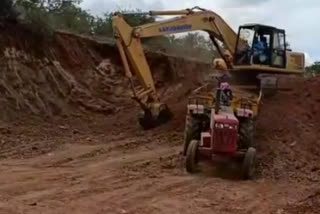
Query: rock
(63, 127)
(5, 130)
(33, 204)
(123, 211)
(280, 211)
(293, 143)
(307, 94)
(315, 168)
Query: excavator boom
(128, 40)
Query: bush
(314, 69)
(7, 9)
(43, 19)
(35, 17)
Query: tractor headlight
(262, 58)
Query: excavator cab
(260, 45)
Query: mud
(70, 142)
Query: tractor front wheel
(248, 165)
(192, 156)
(246, 131)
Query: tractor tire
(190, 133)
(248, 165)
(192, 156)
(247, 131)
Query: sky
(300, 18)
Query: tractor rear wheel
(192, 156)
(190, 133)
(246, 131)
(248, 165)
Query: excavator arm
(128, 40)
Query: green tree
(50, 4)
(314, 68)
(72, 17)
(46, 16)
(193, 45)
(103, 26)
(49, 15)
(60, 4)
(6, 9)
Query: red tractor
(218, 130)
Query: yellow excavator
(256, 49)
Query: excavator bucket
(156, 115)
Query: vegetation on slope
(46, 16)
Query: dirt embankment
(290, 129)
(73, 79)
(55, 76)
(69, 141)
(66, 73)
